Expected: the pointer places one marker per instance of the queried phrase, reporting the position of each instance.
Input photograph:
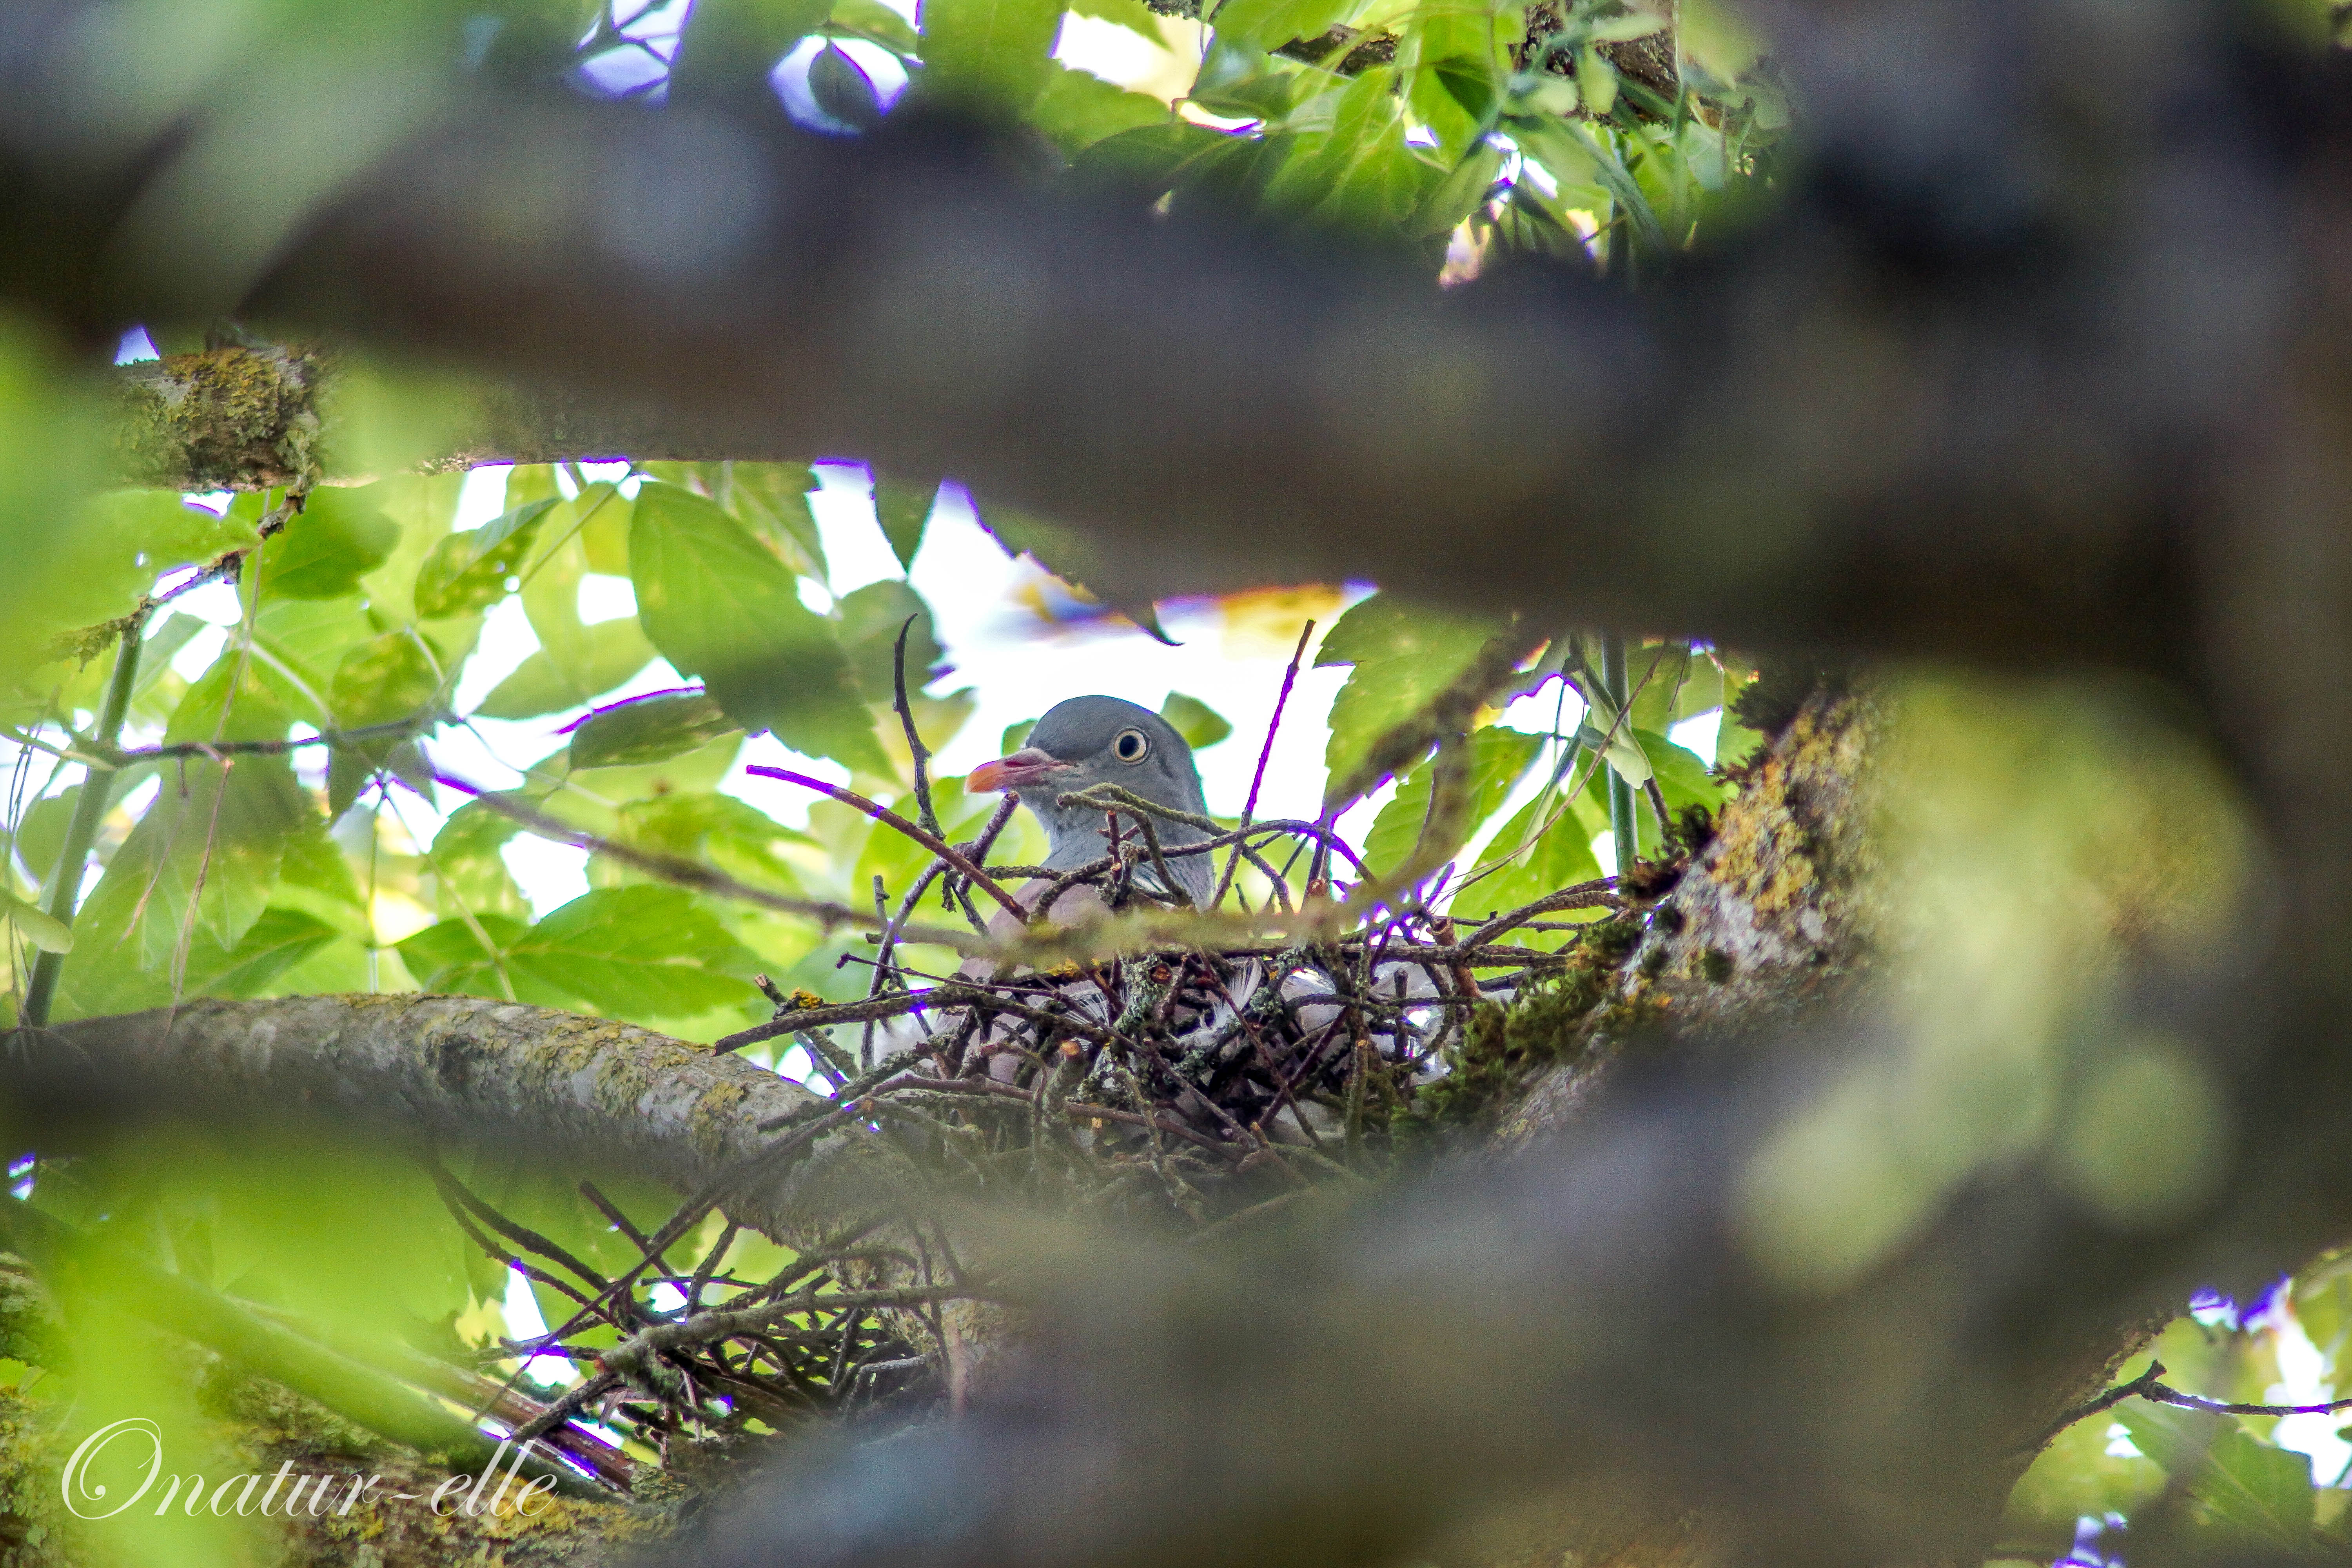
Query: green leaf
(219, 708)
(877, 21)
(1201, 725)
(323, 555)
(275, 942)
(610, 653)
(990, 50)
(115, 546)
(637, 951)
(772, 499)
(205, 861)
(903, 510)
(384, 680)
(1545, 846)
(1078, 109)
(1150, 159)
(1404, 656)
(1270, 24)
(2244, 1486)
(733, 835)
(422, 506)
(470, 570)
(870, 618)
(648, 729)
(1682, 779)
(41, 835)
(470, 874)
(1069, 555)
(35, 924)
(1133, 15)
(1498, 757)
(721, 607)
(1458, 195)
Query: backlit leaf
(339, 537)
(1498, 757)
(470, 570)
(1200, 724)
(1404, 656)
(610, 652)
(637, 951)
(1270, 24)
(648, 729)
(998, 50)
(723, 608)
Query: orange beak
(1023, 767)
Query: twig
(923, 812)
(81, 832)
(883, 813)
(2148, 1385)
(1264, 753)
(692, 874)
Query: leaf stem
(1624, 823)
(81, 832)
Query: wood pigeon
(1090, 740)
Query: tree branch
(1830, 428)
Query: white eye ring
(1131, 746)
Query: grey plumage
(1089, 741)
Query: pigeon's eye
(1130, 746)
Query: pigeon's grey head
(1090, 740)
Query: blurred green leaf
(637, 951)
(1078, 109)
(1270, 24)
(1682, 779)
(1498, 757)
(382, 680)
(1067, 554)
(721, 606)
(903, 510)
(275, 942)
(221, 707)
(323, 555)
(870, 619)
(1201, 725)
(472, 875)
(204, 862)
(41, 835)
(608, 653)
(119, 543)
(2244, 1485)
(1458, 195)
(648, 729)
(470, 570)
(1360, 171)
(35, 924)
(878, 22)
(839, 88)
(1545, 846)
(994, 50)
(734, 834)
(423, 507)
(1403, 657)
(1133, 15)
(1150, 158)
(772, 499)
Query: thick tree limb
(456, 1067)
(1871, 418)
